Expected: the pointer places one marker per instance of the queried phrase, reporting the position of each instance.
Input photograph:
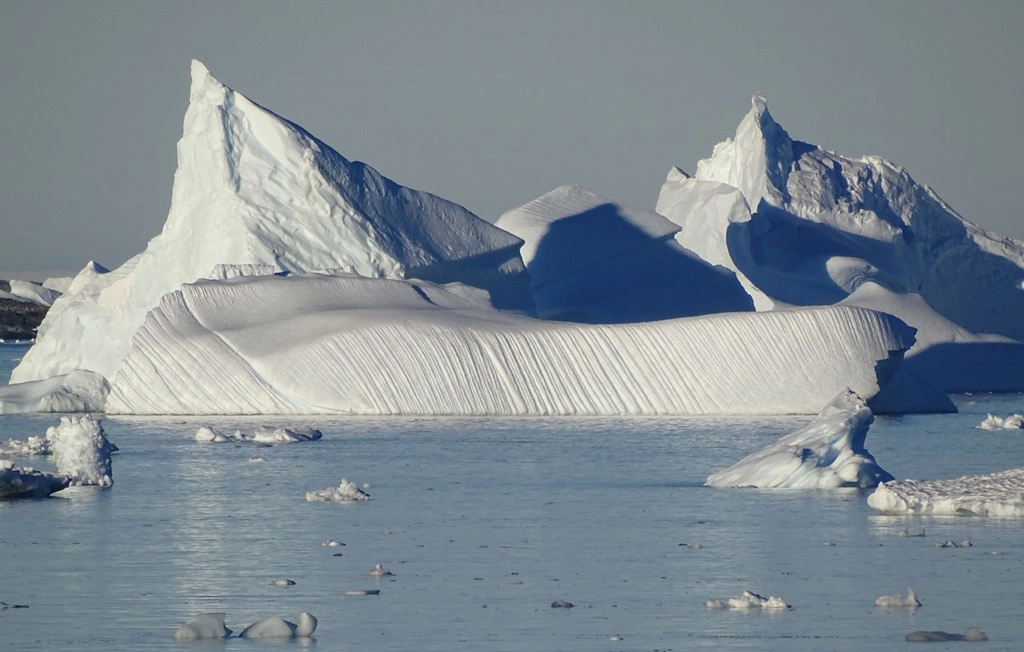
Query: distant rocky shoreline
(19, 319)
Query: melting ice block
(826, 454)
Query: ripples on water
(485, 522)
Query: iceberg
(826, 454)
(353, 345)
(996, 494)
(993, 422)
(26, 482)
(749, 600)
(253, 189)
(29, 292)
(345, 492)
(592, 260)
(802, 226)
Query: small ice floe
(946, 544)
(25, 447)
(966, 543)
(692, 546)
(908, 601)
(380, 571)
(828, 453)
(996, 494)
(263, 436)
(973, 634)
(562, 604)
(81, 451)
(904, 534)
(1012, 422)
(615, 638)
(749, 600)
(355, 592)
(257, 459)
(277, 627)
(282, 582)
(345, 492)
(830, 544)
(202, 627)
(333, 544)
(26, 482)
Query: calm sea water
(485, 522)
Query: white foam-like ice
(347, 344)
(826, 454)
(76, 391)
(993, 422)
(81, 451)
(996, 494)
(749, 600)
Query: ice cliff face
(594, 261)
(256, 190)
(819, 225)
(347, 344)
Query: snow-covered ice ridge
(800, 225)
(254, 189)
(348, 344)
(826, 454)
(996, 494)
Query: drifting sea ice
(749, 600)
(827, 454)
(995, 494)
(345, 492)
(1012, 422)
(81, 453)
(263, 436)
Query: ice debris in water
(973, 635)
(263, 436)
(345, 492)
(749, 600)
(81, 451)
(201, 627)
(899, 601)
(1012, 422)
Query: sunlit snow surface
(348, 344)
(827, 454)
(995, 494)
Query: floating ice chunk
(282, 582)
(1012, 422)
(749, 600)
(973, 634)
(908, 601)
(25, 447)
(277, 627)
(208, 434)
(202, 626)
(333, 544)
(996, 494)
(380, 571)
(268, 435)
(26, 482)
(345, 492)
(81, 451)
(77, 391)
(826, 454)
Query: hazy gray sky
(491, 104)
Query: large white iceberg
(800, 226)
(996, 494)
(348, 344)
(592, 260)
(254, 189)
(826, 454)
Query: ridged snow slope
(826, 454)
(348, 344)
(252, 188)
(823, 224)
(595, 261)
(996, 494)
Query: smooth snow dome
(826, 454)
(30, 292)
(996, 494)
(76, 391)
(816, 226)
(254, 189)
(592, 260)
(348, 344)
(81, 451)
(203, 627)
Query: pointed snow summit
(255, 190)
(821, 225)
